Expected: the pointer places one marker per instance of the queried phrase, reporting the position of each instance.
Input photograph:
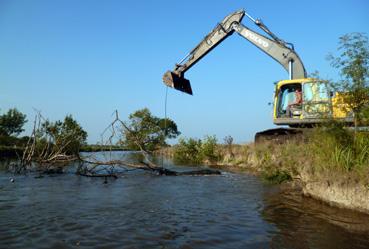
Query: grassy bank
(330, 164)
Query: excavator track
(278, 135)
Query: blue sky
(88, 58)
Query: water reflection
(306, 223)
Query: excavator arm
(279, 50)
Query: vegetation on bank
(48, 138)
(334, 153)
(331, 151)
(11, 125)
(196, 151)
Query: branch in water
(152, 168)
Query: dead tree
(91, 168)
(45, 152)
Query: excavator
(317, 102)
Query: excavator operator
(295, 104)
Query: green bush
(188, 151)
(209, 149)
(197, 151)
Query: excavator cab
(286, 96)
(316, 103)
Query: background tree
(148, 131)
(353, 63)
(12, 122)
(63, 137)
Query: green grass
(331, 151)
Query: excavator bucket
(180, 83)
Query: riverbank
(9, 152)
(336, 175)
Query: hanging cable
(165, 122)
(165, 110)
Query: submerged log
(201, 172)
(97, 175)
(150, 166)
(167, 172)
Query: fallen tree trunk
(97, 175)
(143, 166)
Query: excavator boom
(176, 78)
(273, 46)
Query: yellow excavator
(299, 102)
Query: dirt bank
(346, 191)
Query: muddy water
(140, 210)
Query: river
(142, 210)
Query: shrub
(197, 151)
(209, 149)
(188, 151)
